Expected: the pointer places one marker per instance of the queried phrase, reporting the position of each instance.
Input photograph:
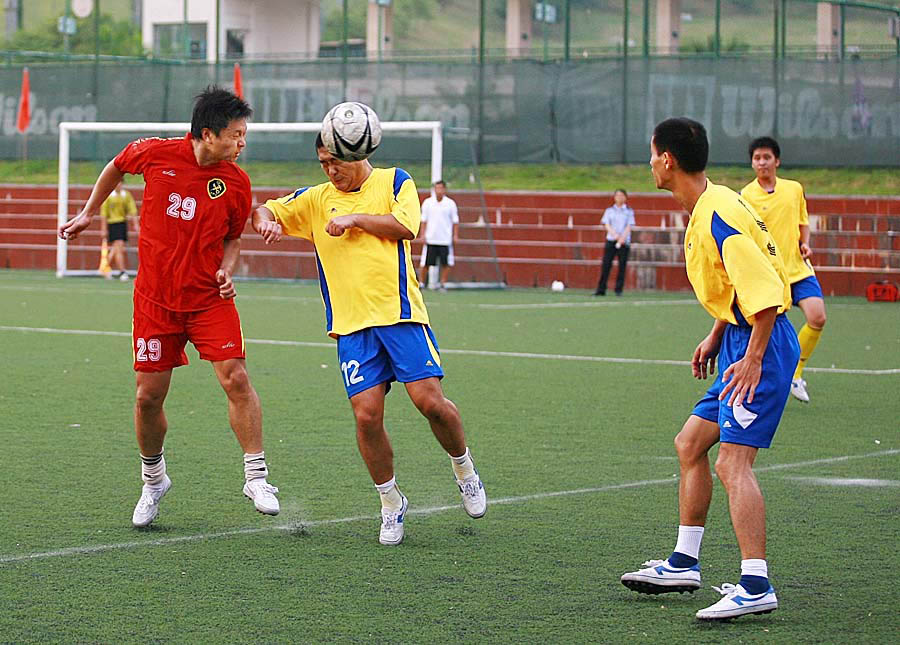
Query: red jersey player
(196, 202)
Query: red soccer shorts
(159, 335)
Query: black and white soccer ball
(351, 131)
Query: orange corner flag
(24, 117)
(238, 84)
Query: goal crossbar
(67, 127)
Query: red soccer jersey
(187, 213)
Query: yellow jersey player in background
(736, 272)
(782, 205)
(361, 222)
(115, 212)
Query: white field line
(847, 482)
(117, 290)
(299, 525)
(462, 352)
(113, 291)
(589, 304)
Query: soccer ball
(557, 285)
(351, 131)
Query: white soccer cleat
(798, 390)
(263, 495)
(474, 498)
(661, 577)
(392, 524)
(737, 602)
(148, 505)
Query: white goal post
(67, 127)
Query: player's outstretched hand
(741, 379)
(71, 229)
(704, 362)
(338, 225)
(226, 286)
(270, 231)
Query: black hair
(441, 182)
(685, 139)
(765, 142)
(621, 190)
(215, 108)
(319, 142)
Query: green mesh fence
(594, 110)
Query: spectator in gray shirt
(618, 219)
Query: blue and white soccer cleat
(147, 507)
(661, 577)
(392, 524)
(474, 498)
(737, 602)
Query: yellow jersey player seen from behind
(782, 205)
(736, 271)
(361, 222)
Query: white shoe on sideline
(474, 498)
(661, 577)
(737, 602)
(392, 524)
(147, 507)
(263, 495)
(123, 277)
(798, 390)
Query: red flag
(238, 84)
(24, 117)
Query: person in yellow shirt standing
(361, 222)
(118, 208)
(782, 205)
(737, 275)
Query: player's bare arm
(385, 226)
(805, 250)
(703, 363)
(107, 181)
(229, 261)
(263, 222)
(742, 377)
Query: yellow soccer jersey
(366, 281)
(784, 212)
(117, 207)
(731, 258)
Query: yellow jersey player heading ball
(782, 206)
(361, 222)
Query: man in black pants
(618, 219)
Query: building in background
(223, 29)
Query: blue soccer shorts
(404, 352)
(753, 424)
(806, 288)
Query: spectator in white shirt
(441, 220)
(618, 220)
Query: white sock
(390, 495)
(689, 538)
(255, 465)
(463, 466)
(153, 469)
(755, 568)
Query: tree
(117, 38)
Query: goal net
(280, 157)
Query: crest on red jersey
(215, 188)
